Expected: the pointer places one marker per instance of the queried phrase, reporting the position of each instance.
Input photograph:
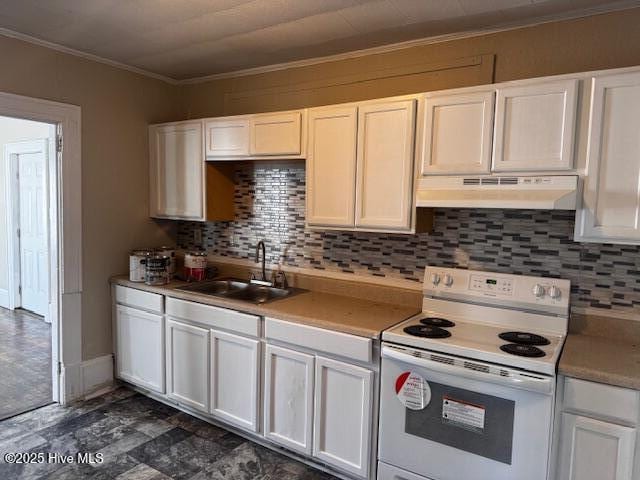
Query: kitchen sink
(240, 290)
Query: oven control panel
(521, 291)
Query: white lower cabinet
(140, 348)
(288, 398)
(188, 364)
(595, 450)
(235, 363)
(343, 415)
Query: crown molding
(588, 12)
(391, 47)
(5, 32)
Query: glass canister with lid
(157, 269)
(195, 266)
(138, 264)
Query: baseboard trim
(82, 379)
(4, 298)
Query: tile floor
(25, 362)
(140, 439)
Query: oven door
(449, 418)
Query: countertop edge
(268, 310)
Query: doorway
(26, 353)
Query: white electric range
(468, 385)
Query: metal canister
(171, 253)
(137, 264)
(157, 271)
(195, 266)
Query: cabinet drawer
(133, 297)
(214, 316)
(319, 339)
(601, 400)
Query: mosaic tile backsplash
(270, 205)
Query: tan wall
(116, 108)
(597, 42)
(12, 130)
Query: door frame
(11, 152)
(65, 236)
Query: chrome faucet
(259, 247)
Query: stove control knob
(538, 290)
(435, 278)
(448, 280)
(555, 292)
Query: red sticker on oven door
(413, 391)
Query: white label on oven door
(463, 414)
(413, 391)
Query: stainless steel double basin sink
(240, 290)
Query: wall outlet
(197, 236)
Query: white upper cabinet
(535, 126)
(385, 167)
(457, 133)
(276, 134)
(227, 137)
(331, 166)
(610, 210)
(235, 364)
(177, 171)
(269, 135)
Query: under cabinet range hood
(557, 192)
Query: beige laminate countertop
(356, 316)
(604, 350)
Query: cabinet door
(535, 126)
(140, 348)
(458, 131)
(188, 364)
(331, 166)
(595, 450)
(276, 134)
(611, 199)
(227, 137)
(288, 398)
(177, 171)
(235, 363)
(384, 192)
(343, 416)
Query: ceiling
(185, 39)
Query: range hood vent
(555, 192)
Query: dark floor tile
(159, 445)
(140, 439)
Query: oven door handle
(514, 379)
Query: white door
(288, 398)
(33, 241)
(331, 166)
(611, 199)
(140, 348)
(595, 450)
(177, 171)
(343, 414)
(227, 137)
(235, 367)
(535, 126)
(276, 133)
(457, 133)
(188, 364)
(384, 187)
